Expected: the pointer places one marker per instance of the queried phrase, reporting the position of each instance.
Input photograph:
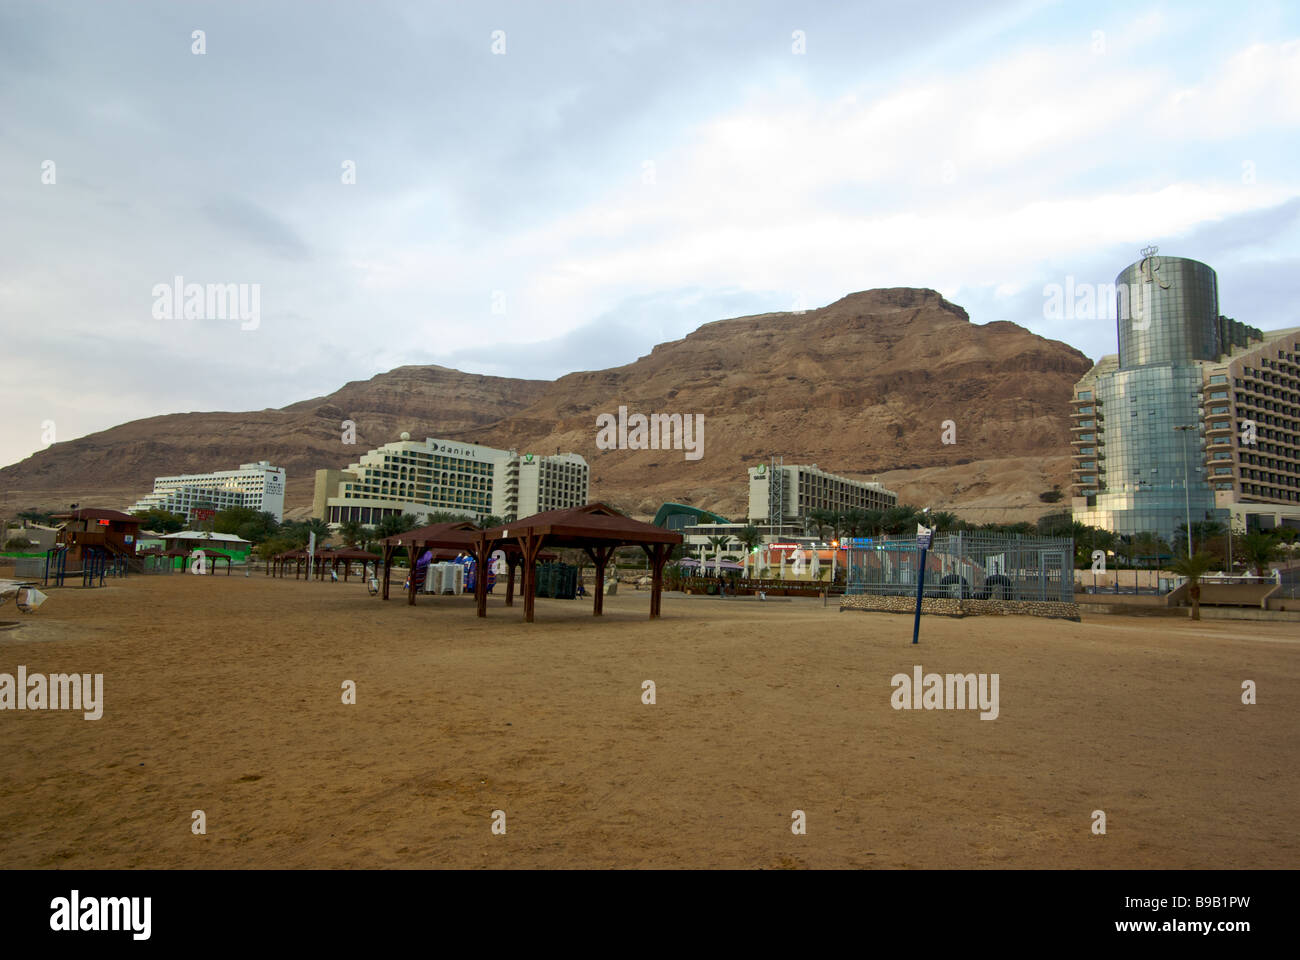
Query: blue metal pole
(920, 589)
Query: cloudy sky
(543, 187)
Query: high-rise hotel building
(1182, 364)
(420, 476)
(256, 486)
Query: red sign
(201, 515)
(103, 523)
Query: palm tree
(749, 536)
(871, 522)
(1193, 568)
(899, 519)
(1146, 545)
(352, 532)
(820, 519)
(1258, 549)
(396, 523)
(943, 521)
(1124, 547)
(295, 532)
(1082, 534)
(319, 527)
(857, 520)
(490, 521)
(1209, 529)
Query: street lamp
(1187, 496)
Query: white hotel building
(421, 476)
(785, 494)
(257, 486)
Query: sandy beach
(223, 694)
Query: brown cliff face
(861, 387)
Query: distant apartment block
(421, 476)
(256, 486)
(786, 494)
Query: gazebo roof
(584, 526)
(97, 513)
(346, 553)
(298, 552)
(460, 533)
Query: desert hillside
(861, 387)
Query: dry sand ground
(223, 694)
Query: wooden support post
(511, 562)
(600, 557)
(412, 556)
(657, 560)
(532, 546)
(388, 567)
(482, 558)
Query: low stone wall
(950, 607)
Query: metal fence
(967, 565)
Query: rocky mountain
(864, 387)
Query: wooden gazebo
(302, 565)
(448, 541)
(347, 556)
(596, 529)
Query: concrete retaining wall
(948, 607)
